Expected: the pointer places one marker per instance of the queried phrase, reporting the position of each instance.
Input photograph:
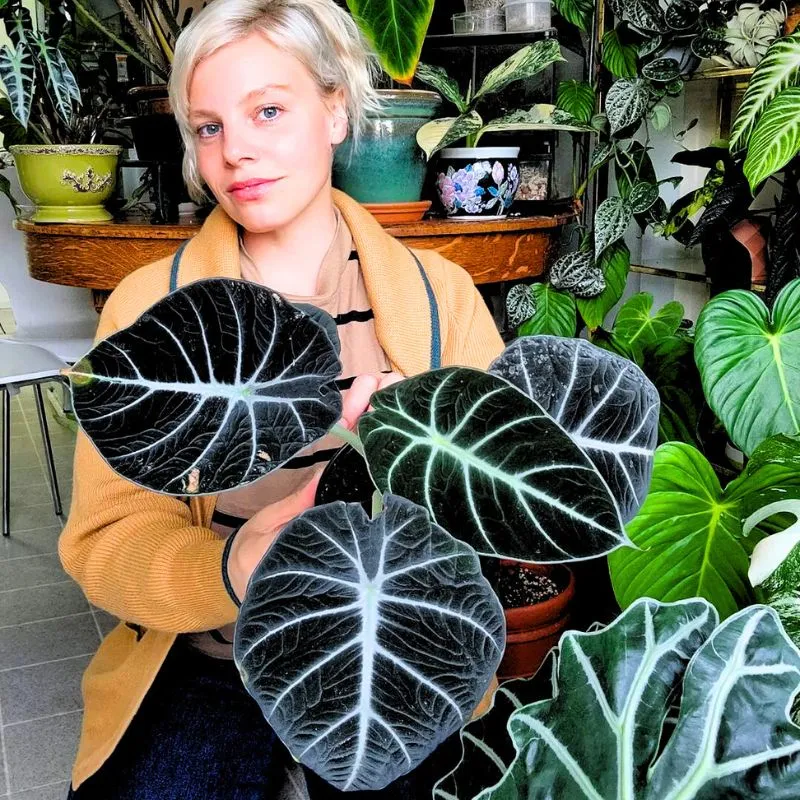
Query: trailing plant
(469, 125)
(542, 458)
(645, 708)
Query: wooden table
(99, 256)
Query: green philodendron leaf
(576, 12)
(777, 71)
(643, 195)
(611, 220)
(626, 103)
(618, 58)
(525, 63)
(615, 264)
(775, 140)
(689, 537)
(443, 83)
(749, 361)
(554, 312)
(576, 98)
(637, 328)
(438, 134)
(451, 441)
(396, 31)
(18, 77)
(663, 704)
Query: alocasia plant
(663, 704)
(367, 641)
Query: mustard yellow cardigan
(151, 559)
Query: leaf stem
(377, 503)
(349, 437)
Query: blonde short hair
(320, 34)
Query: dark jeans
(198, 735)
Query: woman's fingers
(357, 399)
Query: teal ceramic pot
(477, 182)
(388, 166)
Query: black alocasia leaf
(213, 387)
(784, 249)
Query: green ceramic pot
(68, 183)
(388, 165)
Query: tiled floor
(48, 630)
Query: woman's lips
(251, 190)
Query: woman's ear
(338, 117)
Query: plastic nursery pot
(68, 183)
(477, 183)
(532, 631)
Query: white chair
(61, 319)
(26, 365)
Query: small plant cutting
(51, 136)
(369, 639)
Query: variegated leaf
(578, 273)
(60, 83)
(604, 402)
(642, 196)
(490, 466)
(438, 134)
(626, 103)
(18, 76)
(611, 221)
(525, 63)
(520, 305)
(439, 79)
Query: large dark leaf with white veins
(605, 402)
(490, 466)
(213, 387)
(367, 643)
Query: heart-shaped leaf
(689, 535)
(749, 362)
(242, 382)
(626, 103)
(643, 14)
(367, 643)
(396, 32)
(520, 305)
(615, 264)
(490, 466)
(775, 139)
(576, 12)
(576, 98)
(577, 273)
(554, 312)
(618, 58)
(662, 70)
(635, 328)
(611, 730)
(642, 196)
(611, 220)
(604, 402)
(777, 71)
(682, 15)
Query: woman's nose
(237, 146)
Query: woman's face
(264, 133)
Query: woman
(263, 91)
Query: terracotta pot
(532, 631)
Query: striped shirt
(341, 292)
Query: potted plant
(398, 608)
(480, 182)
(61, 167)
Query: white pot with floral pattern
(477, 182)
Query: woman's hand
(256, 536)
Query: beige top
(342, 294)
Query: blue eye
(269, 112)
(204, 131)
